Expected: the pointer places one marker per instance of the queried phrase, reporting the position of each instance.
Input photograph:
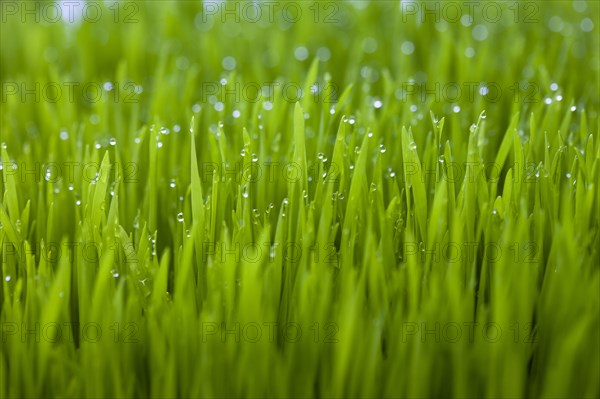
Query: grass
(176, 233)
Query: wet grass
(422, 222)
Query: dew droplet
(172, 183)
(284, 206)
(245, 191)
(7, 278)
(382, 148)
(112, 141)
(180, 217)
(254, 158)
(114, 273)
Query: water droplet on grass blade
(301, 53)
(229, 63)
(180, 217)
(407, 47)
(284, 206)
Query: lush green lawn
(300, 199)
